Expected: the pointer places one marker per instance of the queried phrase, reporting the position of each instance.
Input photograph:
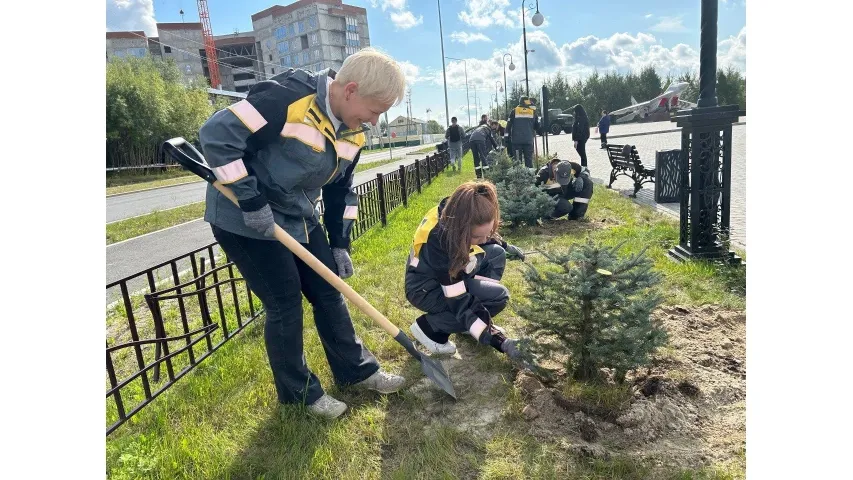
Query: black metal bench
(630, 166)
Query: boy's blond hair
(378, 75)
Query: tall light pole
(506, 87)
(467, 97)
(476, 109)
(443, 70)
(538, 18)
(497, 102)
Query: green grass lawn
(134, 227)
(223, 420)
(134, 182)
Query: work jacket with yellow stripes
(429, 268)
(279, 147)
(522, 125)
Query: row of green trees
(611, 90)
(147, 103)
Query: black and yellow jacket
(429, 268)
(279, 147)
(522, 125)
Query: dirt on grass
(685, 411)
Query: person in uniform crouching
(454, 271)
(569, 182)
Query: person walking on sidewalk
(580, 132)
(294, 138)
(603, 128)
(454, 136)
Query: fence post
(429, 170)
(418, 175)
(403, 187)
(380, 187)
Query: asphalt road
(120, 207)
(138, 253)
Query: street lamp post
(467, 97)
(706, 160)
(443, 70)
(476, 108)
(498, 102)
(506, 87)
(538, 18)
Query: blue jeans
(455, 152)
(279, 279)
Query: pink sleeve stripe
(351, 212)
(251, 118)
(231, 172)
(454, 290)
(477, 328)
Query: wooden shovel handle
(322, 270)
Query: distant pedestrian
(580, 132)
(454, 136)
(482, 140)
(603, 127)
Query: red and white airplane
(650, 110)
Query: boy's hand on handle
(261, 220)
(343, 262)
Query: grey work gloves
(508, 347)
(343, 262)
(578, 184)
(513, 252)
(261, 220)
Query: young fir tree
(598, 306)
(520, 199)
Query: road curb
(153, 188)
(638, 134)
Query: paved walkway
(647, 145)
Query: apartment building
(308, 34)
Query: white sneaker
(327, 407)
(448, 348)
(382, 382)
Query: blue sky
(576, 38)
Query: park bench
(629, 165)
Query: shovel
(197, 165)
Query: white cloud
(466, 38)
(670, 25)
(123, 15)
(411, 71)
(485, 13)
(395, 4)
(732, 52)
(405, 20)
(401, 17)
(649, 15)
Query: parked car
(559, 121)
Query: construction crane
(209, 46)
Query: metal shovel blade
(431, 367)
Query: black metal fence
(177, 313)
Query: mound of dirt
(687, 409)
